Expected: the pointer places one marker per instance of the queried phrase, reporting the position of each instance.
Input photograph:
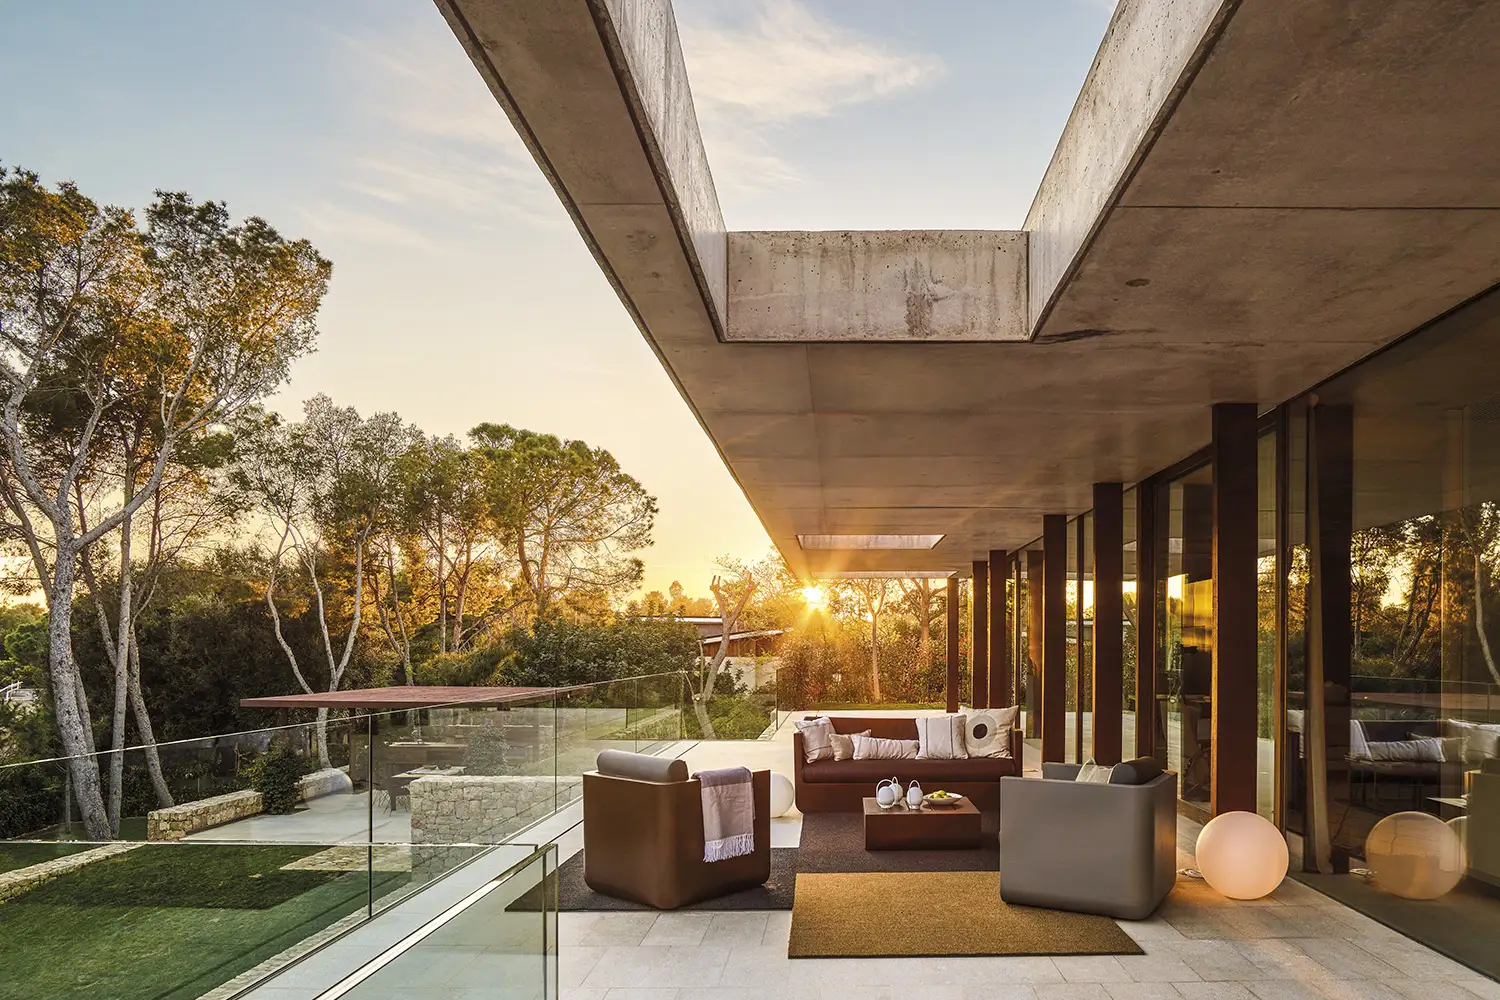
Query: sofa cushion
(987, 731)
(817, 739)
(642, 767)
(1137, 771)
(909, 769)
(843, 746)
(875, 748)
(1094, 774)
(941, 737)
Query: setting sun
(814, 596)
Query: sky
(461, 291)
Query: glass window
(1266, 622)
(1185, 605)
(1423, 744)
(1086, 637)
(1071, 727)
(1128, 603)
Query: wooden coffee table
(929, 828)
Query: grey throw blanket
(728, 813)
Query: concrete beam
(877, 286)
(1145, 62)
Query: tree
(327, 485)
(871, 595)
(197, 315)
(570, 515)
(731, 600)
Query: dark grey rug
(831, 842)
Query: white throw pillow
(843, 746)
(817, 739)
(1093, 774)
(1418, 750)
(987, 731)
(1358, 745)
(941, 737)
(875, 748)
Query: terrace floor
(1295, 945)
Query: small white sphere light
(1415, 855)
(782, 794)
(1242, 855)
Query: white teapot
(887, 793)
(914, 796)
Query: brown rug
(936, 914)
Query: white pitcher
(914, 795)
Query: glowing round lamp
(782, 794)
(1415, 855)
(1460, 826)
(1242, 855)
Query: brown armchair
(643, 834)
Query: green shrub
(275, 775)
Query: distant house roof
(764, 633)
(403, 696)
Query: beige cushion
(817, 739)
(1093, 774)
(642, 767)
(843, 746)
(941, 737)
(987, 731)
(875, 748)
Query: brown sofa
(643, 834)
(842, 785)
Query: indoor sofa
(842, 785)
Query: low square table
(927, 828)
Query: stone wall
(483, 809)
(176, 822)
(13, 883)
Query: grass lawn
(169, 922)
(13, 856)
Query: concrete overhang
(1248, 197)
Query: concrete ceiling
(1311, 180)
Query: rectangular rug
(936, 914)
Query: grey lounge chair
(1107, 849)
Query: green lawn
(168, 923)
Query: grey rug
(831, 842)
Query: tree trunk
(705, 724)
(1484, 639)
(875, 656)
(122, 667)
(72, 728)
(143, 725)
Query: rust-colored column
(1235, 671)
(953, 643)
(1035, 563)
(1054, 636)
(1000, 580)
(979, 635)
(1109, 615)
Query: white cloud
(449, 149)
(781, 64)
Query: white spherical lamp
(782, 794)
(1415, 855)
(1242, 855)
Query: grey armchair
(1107, 849)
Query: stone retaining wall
(176, 822)
(13, 883)
(483, 809)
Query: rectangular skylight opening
(862, 543)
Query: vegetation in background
(275, 774)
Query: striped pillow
(941, 737)
(817, 739)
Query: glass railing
(357, 813)
(499, 941)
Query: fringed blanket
(728, 813)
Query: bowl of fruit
(942, 800)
